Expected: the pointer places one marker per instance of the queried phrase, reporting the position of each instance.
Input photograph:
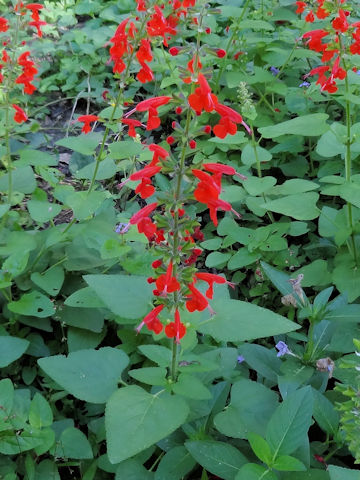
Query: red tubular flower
(196, 300)
(151, 320)
(38, 24)
(145, 188)
(202, 98)
(193, 257)
(87, 119)
(28, 72)
(5, 57)
(20, 116)
(34, 7)
(131, 123)
(151, 105)
(220, 168)
(310, 17)
(300, 7)
(176, 328)
(158, 153)
(143, 213)
(340, 23)
(228, 121)
(120, 47)
(166, 283)
(159, 26)
(145, 74)
(210, 279)
(148, 172)
(315, 37)
(141, 6)
(4, 26)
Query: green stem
(348, 167)
(258, 167)
(8, 150)
(117, 103)
(228, 46)
(310, 345)
(174, 361)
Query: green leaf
(6, 396)
(280, 280)
(248, 157)
(215, 259)
(262, 360)
(340, 473)
(84, 298)
(346, 277)
(90, 375)
(248, 398)
(315, 273)
(107, 169)
(299, 206)
(47, 470)
(36, 158)
(290, 422)
(307, 125)
(84, 143)
(50, 281)
(23, 180)
(295, 185)
(33, 304)
(157, 353)
(124, 149)
(132, 469)
(83, 204)
(231, 322)
(255, 25)
(16, 263)
(74, 444)
(252, 471)
(40, 209)
(175, 464)
(285, 463)
(40, 413)
(120, 293)
(149, 375)
(325, 414)
(135, 419)
(191, 387)
(260, 447)
(221, 459)
(11, 348)
(257, 186)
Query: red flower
(144, 53)
(151, 105)
(20, 116)
(175, 329)
(174, 51)
(228, 121)
(87, 119)
(193, 257)
(223, 169)
(120, 47)
(202, 98)
(131, 124)
(145, 74)
(211, 278)
(196, 300)
(34, 7)
(310, 17)
(321, 13)
(158, 26)
(4, 26)
(143, 213)
(166, 283)
(28, 72)
(158, 153)
(37, 24)
(300, 7)
(145, 188)
(340, 23)
(315, 37)
(151, 320)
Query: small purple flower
(240, 359)
(305, 84)
(357, 72)
(122, 228)
(275, 71)
(282, 349)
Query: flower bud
(178, 110)
(170, 140)
(221, 53)
(207, 129)
(174, 51)
(192, 144)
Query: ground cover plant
(179, 242)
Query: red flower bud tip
(4, 44)
(104, 94)
(170, 140)
(237, 55)
(173, 124)
(136, 18)
(156, 263)
(208, 30)
(174, 51)
(319, 458)
(276, 110)
(227, 29)
(221, 53)
(126, 104)
(23, 43)
(20, 116)
(178, 110)
(207, 129)
(151, 280)
(192, 144)
(181, 212)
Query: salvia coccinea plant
(170, 230)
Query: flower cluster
(165, 222)
(22, 66)
(336, 39)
